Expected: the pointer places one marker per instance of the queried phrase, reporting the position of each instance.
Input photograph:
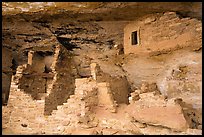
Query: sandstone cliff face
(76, 71)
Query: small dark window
(134, 38)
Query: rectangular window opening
(134, 38)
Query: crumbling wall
(63, 84)
(159, 33)
(33, 85)
(77, 111)
(119, 86)
(105, 97)
(6, 73)
(34, 81)
(26, 115)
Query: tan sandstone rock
(155, 111)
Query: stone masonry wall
(22, 117)
(76, 111)
(162, 32)
(105, 97)
(6, 73)
(32, 81)
(63, 83)
(119, 86)
(35, 86)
